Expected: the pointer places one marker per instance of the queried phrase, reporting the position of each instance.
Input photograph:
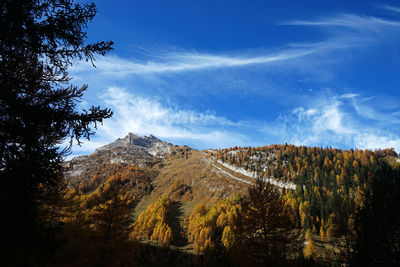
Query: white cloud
(146, 116)
(316, 125)
(390, 8)
(370, 140)
(185, 61)
(134, 111)
(364, 109)
(333, 122)
(348, 96)
(337, 120)
(354, 30)
(362, 23)
(331, 118)
(330, 121)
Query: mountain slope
(186, 175)
(191, 177)
(323, 187)
(315, 179)
(132, 149)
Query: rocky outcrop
(149, 144)
(143, 151)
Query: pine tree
(377, 221)
(265, 227)
(40, 39)
(112, 219)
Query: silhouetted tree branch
(39, 41)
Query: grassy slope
(190, 180)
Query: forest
(336, 219)
(324, 223)
(334, 187)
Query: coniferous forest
(342, 207)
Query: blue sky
(212, 74)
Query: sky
(216, 74)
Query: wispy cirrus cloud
(349, 21)
(180, 62)
(176, 62)
(144, 116)
(331, 120)
(341, 121)
(353, 28)
(390, 8)
(350, 31)
(362, 29)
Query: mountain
(191, 176)
(187, 175)
(143, 151)
(183, 196)
(132, 144)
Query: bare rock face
(143, 151)
(145, 144)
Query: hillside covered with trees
(332, 186)
(327, 219)
(264, 225)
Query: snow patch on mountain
(254, 175)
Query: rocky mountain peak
(133, 149)
(149, 144)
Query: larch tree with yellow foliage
(266, 226)
(152, 224)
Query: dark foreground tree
(377, 221)
(97, 225)
(39, 40)
(112, 220)
(266, 227)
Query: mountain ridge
(150, 144)
(317, 184)
(133, 149)
(185, 174)
(189, 175)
